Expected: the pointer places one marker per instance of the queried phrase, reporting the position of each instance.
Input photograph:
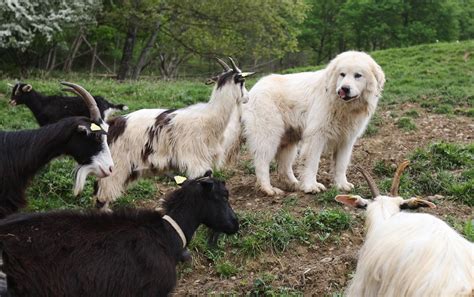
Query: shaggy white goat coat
(310, 107)
(189, 140)
(411, 255)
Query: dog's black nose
(346, 90)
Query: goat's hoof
(99, 204)
(313, 188)
(103, 206)
(344, 186)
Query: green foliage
(381, 168)
(332, 26)
(327, 221)
(406, 124)
(442, 168)
(52, 188)
(374, 125)
(226, 269)
(469, 230)
(443, 109)
(262, 286)
(277, 231)
(412, 113)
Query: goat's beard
(80, 173)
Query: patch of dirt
(323, 268)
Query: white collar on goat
(176, 228)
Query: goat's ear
(247, 74)
(352, 200)
(206, 183)
(414, 203)
(27, 88)
(211, 80)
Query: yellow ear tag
(179, 179)
(95, 127)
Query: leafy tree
(23, 21)
(178, 30)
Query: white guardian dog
(325, 110)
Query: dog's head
(354, 75)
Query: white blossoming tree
(21, 21)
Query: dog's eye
(358, 75)
(343, 74)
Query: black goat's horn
(87, 97)
(223, 64)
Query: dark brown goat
(126, 253)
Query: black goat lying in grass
(125, 253)
(50, 109)
(24, 153)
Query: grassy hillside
(425, 84)
(440, 77)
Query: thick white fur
(308, 104)
(192, 142)
(411, 255)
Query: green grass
(442, 168)
(406, 124)
(272, 232)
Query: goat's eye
(357, 75)
(239, 79)
(342, 74)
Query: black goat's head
(19, 90)
(88, 146)
(231, 77)
(209, 199)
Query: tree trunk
(70, 60)
(127, 53)
(145, 51)
(94, 54)
(52, 65)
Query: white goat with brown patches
(408, 254)
(189, 140)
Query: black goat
(125, 253)
(50, 109)
(23, 153)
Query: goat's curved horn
(234, 66)
(370, 181)
(223, 64)
(87, 97)
(396, 178)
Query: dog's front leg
(311, 153)
(342, 157)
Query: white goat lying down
(190, 140)
(408, 254)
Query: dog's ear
(331, 76)
(379, 77)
